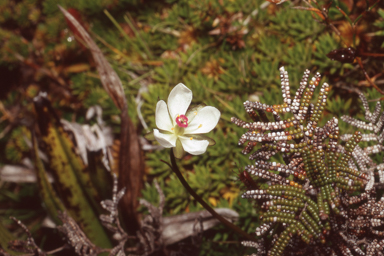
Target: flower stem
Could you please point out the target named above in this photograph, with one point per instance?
(205, 205)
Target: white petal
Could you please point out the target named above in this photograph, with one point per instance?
(179, 100)
(192, 111)
(205, 120)
(163, 121)
(194, 147)
(165, 140)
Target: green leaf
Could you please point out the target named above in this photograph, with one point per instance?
(72, 177)
(50, 199)
(100, 176)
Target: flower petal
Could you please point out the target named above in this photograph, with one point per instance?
(194, 147)
(193, 110)
(165, 140)
(211, 141)
(206, 119)
(179, 100)
(163, 120)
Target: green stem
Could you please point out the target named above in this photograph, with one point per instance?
(116, 24)
(205, 205)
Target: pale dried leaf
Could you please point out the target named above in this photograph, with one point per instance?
(95, 111)
(19, 174)
(91, 138)
(179, 227)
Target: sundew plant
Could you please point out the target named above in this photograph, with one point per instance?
(173, 127)
(307, 200)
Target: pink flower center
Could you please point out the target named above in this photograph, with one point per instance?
(182, 121)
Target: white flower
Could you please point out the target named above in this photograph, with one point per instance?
(181, 128)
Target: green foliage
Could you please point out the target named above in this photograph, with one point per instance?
(325, 44)
(74, 184)
(5, 236)
(337, 105)
(49, 197)
(380, 23)
(16, 147)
